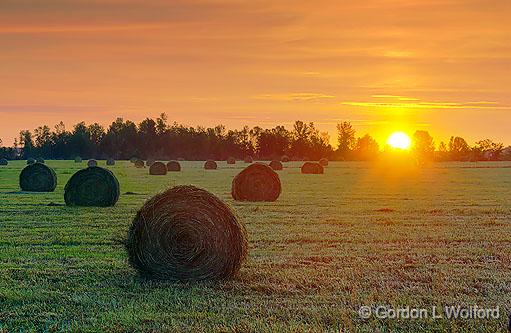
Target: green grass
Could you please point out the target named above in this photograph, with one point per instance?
(356, 235)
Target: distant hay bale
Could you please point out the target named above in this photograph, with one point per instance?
(186, 234)
(40, 160)
(158, 169)
(248, 159)
(110, 162)
(92, 163)
(210, 165)
(3, 162)
(257, 182)
(149, 162)
(30, 161)
(231, 160)
(173, 166)
(78, 159)
(276, 165)
(285, 158)
(324, 161)
(312, 168)
(139, 164)
(37, 177)
(92, 187)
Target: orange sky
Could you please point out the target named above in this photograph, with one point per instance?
(439, 65)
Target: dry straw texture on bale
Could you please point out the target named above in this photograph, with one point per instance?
(173, 166)
(257, 182)
(312, 168)
(149, 162)
(92, 187)
(3, 161)
(78, 159)
(30, 161)
(284, 158)
(231, 160)
(323, 161)
(92, 163)
(110, 162)
(210, 165)
(158, 169)
(248, 159)
(186, 234)
(38, 177)
(276, 165)
(139, 164)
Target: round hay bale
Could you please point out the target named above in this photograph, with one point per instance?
(40, 160)
(30, 161)
(92, 187)
(276, 165)
(78, 159)
(110, 162)
(92, 163)
(231, 160)
(149, 162)
(248, 159)
(257, 182)
(312, 168)
(210, 165)
(173, 166)
(324, 161)
(285, 158)
(158, 169)
(3, 161)
(38, 177)
(139, 164)
(186, 234)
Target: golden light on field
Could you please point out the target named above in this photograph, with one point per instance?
(399, 140)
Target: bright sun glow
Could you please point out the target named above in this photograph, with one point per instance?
(399, 140)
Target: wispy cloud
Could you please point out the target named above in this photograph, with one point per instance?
(294, 97)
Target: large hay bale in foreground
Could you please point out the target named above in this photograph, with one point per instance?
(231, 160)
(38, 177)
(248, 159)
(40, 160)
(78, 159)
(312, 168)
(276, 165)
(285, 158)
(324, 161)
(139, 164)
(186, 234)
(210, 165)
(30, 161)
(158, 169)
(173, 166)
(257, 182)
(92, 163)
(92, 187)
(110, 162)
(3, 161)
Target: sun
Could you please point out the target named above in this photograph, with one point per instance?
(399, 140)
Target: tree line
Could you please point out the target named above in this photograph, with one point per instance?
(157, 139)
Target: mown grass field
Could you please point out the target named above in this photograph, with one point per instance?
(357, 235)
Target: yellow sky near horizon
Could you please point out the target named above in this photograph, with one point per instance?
(439, 65)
